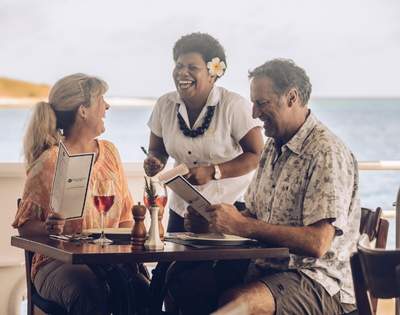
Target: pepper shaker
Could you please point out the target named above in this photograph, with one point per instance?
(138, 234)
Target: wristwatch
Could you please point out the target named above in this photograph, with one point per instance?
(217, 172)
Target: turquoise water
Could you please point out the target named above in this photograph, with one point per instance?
(370, 127)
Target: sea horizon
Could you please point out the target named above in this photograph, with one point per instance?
(137, 101)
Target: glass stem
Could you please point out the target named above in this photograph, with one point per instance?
(102, 224)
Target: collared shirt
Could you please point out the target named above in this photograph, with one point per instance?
(220, 143)
(315, 177)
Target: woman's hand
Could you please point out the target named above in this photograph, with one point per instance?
(55, 223)
(152, 166)
(194, 222)
(200, 175)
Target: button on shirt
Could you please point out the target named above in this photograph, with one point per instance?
(314, 177)
(220, 143)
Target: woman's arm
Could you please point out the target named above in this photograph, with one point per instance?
(32, 228)
(252, 145)
(54, 224)
(157, 148)
(126, 224)
(157, 157)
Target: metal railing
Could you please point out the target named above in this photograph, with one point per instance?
(382, 166)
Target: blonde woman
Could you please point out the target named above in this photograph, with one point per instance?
(75, 113)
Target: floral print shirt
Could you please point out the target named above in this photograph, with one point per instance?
(315, 177)
(36, 197)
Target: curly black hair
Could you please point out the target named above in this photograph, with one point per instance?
(204, 44)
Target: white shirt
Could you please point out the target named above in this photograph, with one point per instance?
(231, 121)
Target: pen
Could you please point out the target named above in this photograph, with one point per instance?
(144, 151)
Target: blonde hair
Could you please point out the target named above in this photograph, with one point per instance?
(51, 119)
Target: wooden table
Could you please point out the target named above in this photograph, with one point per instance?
(96, 255)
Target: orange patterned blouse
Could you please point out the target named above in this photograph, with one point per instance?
(36, 197)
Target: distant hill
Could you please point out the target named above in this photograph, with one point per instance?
(17, 88)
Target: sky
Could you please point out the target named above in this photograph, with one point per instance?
(348, 48)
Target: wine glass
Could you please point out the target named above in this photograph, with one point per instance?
(155, 193)
(103, 197)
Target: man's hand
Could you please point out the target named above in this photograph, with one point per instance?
(152, 166)
(225, 218)
(194, 222)
(55, 223)
(200, 175)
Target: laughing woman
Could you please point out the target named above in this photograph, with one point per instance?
(77, 108)
(206, 127)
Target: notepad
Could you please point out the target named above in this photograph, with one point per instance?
(165, 176)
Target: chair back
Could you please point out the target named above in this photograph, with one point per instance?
(380, 270)
(374, 226)
(375, 229)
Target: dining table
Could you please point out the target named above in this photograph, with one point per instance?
(122, 251)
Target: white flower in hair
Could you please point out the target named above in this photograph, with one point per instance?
(216, 67)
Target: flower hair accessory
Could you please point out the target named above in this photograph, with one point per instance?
(216, 67)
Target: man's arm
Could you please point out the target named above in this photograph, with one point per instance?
(312, 240)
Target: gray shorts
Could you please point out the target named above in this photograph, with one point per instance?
(295, 293)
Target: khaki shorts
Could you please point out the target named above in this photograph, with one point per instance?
(295, 293)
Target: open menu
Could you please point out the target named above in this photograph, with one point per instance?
(71, 181)
(190, 194)
(174, 180)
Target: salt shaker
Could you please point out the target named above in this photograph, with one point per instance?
(153, 240)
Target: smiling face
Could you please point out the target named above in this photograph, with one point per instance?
(191, 77)
(269, 107)
(96, 113)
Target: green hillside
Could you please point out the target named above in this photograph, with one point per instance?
(18, 88)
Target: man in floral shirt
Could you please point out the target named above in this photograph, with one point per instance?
(304, 196)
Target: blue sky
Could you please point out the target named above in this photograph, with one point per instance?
(349, 48)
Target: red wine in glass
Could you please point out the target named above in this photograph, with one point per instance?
(103, 203)
(160, 201)
(155, 193)
(103, 198)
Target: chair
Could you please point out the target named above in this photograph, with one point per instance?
(373, 228)
(376, 271)
(36, 304)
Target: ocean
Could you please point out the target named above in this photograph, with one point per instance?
(370, 128)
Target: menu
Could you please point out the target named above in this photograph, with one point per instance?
(190, 194)
(71, 181)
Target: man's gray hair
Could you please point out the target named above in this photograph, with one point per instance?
(285, 75)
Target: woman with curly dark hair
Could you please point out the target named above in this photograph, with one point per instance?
(204, 126)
